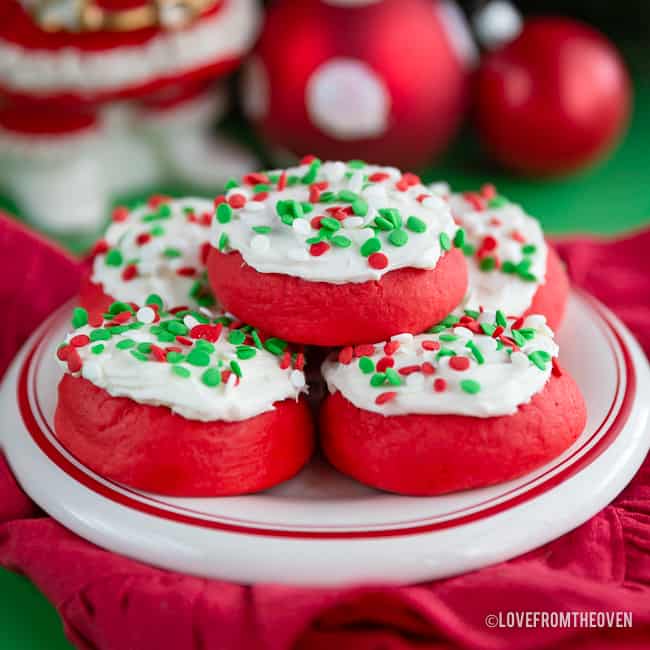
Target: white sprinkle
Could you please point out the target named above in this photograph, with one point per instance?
(463, 333)
(207, 312)
(334, 172)
(232, 381)
(298, 254)
(352, 222)
(190, 321)
(297, 379)
(367, 233)
(536, 321)
(441, 188)
(301, 226)
(415, 380)
(260, 243)
(356, 181)
(254, 206)
(434, 203)
(404, 338)
(486, 317)
(146, 315)
(519, 360)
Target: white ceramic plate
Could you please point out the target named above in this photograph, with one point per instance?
(321, 528)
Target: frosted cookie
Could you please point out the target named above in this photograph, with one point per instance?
(511, 266)
(475, 401)
(182, 404)
(334, 253)
(160, 247)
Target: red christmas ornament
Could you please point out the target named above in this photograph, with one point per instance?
(383, 81)
(552, 100)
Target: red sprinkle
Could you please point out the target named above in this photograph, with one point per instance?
(498, 331)
(62, 353)
(345, 355)
(207, 332)
(120, 213)
(377, 177)
(129, 272)
(175, 310)
(427, 368)
(364, 350)
(494, 221)
(122, 317)
(237, 201)
(383, 398)
(309, 158)
(517, 236)
(100, 247)
(184, 340)
(557, 370)
(173, 348)
(428, 344)
(300, 361)
(378, 261)
(407, 180)
(204, 252)
(385, 362)
(157, 200)
(219, 200)
(488, 191)
(459, 363)
(256, 178)
(518, 324)
(285, 362)
(439, 385)
(314, 194)
(74, 361)
(409, 370)
(475, 200)
(282, 181)
(95, 320)
(316, 250)
(261, 196)
(186, 271)
(391, 347)
(206, 219)
(143, 238)
(489, 243)
(315, 222)
(421, 197)
(158, 353)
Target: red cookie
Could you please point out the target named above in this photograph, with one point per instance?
(152, 449)
(436, 454)
(550, 299)
(319, 313)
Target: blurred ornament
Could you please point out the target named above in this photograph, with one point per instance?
(496, 22)
(552, 100)
(104, 96)
(386, 81)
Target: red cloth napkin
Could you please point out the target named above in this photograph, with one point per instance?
(109, 602)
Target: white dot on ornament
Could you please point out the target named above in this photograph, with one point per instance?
(146, 315)
(255, 89)
(347, 100)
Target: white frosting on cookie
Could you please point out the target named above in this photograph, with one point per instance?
(480, 378)
(167, 244)
(243, 378)
(518, 240)
(375, 220)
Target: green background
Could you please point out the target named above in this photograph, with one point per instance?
(607, 199)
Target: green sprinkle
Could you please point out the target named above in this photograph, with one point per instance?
(245, 352)
(468, 250)
(224, 213)
(392, 215)
(356, 164)
(459, 238)
(236, 368)
(134, 326)
(330, 223)
(393, 378)
(445, 352)
(257, 340)
(528, 333)
(236, 337)
(174, 357)
(311, 174)
(223, 241)
(165, 337)
(437, 329)
(415, 224)
(97, 349)
(261, 187)
(488, 328)
(139, 355)
(171, 253)
(154, 299)
(327, 197)
(449, 321)
(348, 196)
(198, 357)
(478, 355)
(448, 338)
(539, 358)
(114, 258)
(398, 237)
(177, 328)
(206, 346)
(306, 207)
(487, 264)
(509, 267)
(366, 365)
(470, 386)
(528, 249)
(211, 377)
(497, 202)
(518, 338)
(117, 329)
(79, 317)
(262, 230)
(370, 246)
(144, 347)
(472, 313)
(100, 335)
(526, 276)
(206, 300)
(341, 241)
(125, 344)
(231, 184)
(164, 211)
(157, 231)
(360, 207)
(445, 242)
(275, 346)
(501, 319)
(118, 307)
(181, 371)
(383, 224)
(378, 379)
